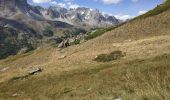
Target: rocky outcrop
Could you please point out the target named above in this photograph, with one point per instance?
(64, 44)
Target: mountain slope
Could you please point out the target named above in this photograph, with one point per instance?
(72, 73)
(159, 9)
(22, 27)
(34, 23)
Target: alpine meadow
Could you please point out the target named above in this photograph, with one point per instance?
(49, 51)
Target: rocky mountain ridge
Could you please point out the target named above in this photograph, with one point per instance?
(80, 16)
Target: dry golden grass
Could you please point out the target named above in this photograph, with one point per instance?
(137, 79)
(71, 73)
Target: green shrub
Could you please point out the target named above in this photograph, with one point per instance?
(75, 42)
(99, 32)
(8, 49)
(48, 33)
(95, 34)
(78, 31)
(115, 55)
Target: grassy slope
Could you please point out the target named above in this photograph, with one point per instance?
(159, 9)
(142, 74)
(140, 79)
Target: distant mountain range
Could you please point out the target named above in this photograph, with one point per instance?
(80, 16)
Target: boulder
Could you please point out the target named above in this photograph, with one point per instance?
(61, 45)
(64, 44)
(33, 71)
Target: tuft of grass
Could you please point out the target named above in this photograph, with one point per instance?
(55, 45)
(115, 55)
(99, 32)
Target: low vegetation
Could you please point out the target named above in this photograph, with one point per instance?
(10, 44)
(115, 55)
(76, 42)
(16, 57)
(99, 32)
(48, 33)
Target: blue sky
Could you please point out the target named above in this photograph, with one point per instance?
(122, 9)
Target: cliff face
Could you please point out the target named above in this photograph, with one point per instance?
(7, 4)
(10, 7)
(12, 4)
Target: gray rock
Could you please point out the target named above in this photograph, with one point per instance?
(4, 69)
(23, 50)
(61, 45)
(33, 71)
(15, 94)
(64, 44)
